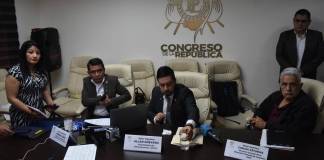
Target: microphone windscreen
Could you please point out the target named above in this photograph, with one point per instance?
(204, 129)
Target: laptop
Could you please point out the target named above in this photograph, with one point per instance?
(129, 118)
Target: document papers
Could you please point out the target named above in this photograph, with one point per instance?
(81, 152)
(198, 140)
(264, 143)
(38, 111)
(99, 121)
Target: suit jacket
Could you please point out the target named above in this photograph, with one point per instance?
(111, 88)
(298, 116)
(183, 106)
(286, 52)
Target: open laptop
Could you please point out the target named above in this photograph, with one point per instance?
(129, 118)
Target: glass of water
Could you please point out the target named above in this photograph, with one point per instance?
(184, 142)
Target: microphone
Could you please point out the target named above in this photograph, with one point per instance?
(206, 130)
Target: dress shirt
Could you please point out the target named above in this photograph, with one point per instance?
(100, 110)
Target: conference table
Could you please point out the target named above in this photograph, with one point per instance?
(306, 147)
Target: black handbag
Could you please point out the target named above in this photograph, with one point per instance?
(140, 96)
(225, 95)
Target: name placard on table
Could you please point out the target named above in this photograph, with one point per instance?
(245, 151)
(143, 143)
(60, 136)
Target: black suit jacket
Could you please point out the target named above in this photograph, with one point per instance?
(286, 52)
(111, 88)
(183, 106)
(299, 116)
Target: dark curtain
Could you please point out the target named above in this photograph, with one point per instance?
(9, 44)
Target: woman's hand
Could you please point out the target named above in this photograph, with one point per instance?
(33, 114)
(51, 107)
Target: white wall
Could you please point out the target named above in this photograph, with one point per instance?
(116, 30)
(27, 13)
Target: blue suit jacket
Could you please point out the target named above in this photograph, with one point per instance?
(183, 106)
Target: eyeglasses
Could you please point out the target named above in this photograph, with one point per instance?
(291, 85)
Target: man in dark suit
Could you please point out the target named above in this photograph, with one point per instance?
(99, 91)
(301, 47)
(173, 104)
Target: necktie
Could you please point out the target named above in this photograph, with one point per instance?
(168, 111)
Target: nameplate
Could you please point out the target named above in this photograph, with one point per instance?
(142, 143)
(245, 151)
(60, 136)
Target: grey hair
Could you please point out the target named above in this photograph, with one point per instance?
(291, 71)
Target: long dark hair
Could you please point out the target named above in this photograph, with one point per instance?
(23, 61)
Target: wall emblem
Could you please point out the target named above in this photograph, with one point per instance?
(194, 15)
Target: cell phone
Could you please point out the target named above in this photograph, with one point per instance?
(103, 98)
(54, 106)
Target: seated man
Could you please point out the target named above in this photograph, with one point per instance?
(173, 104)
(99, 91)
(289, 109)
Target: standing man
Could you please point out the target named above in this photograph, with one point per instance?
(173, 104)
(300, 47)
(99, 90)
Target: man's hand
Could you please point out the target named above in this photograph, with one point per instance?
(105, 101)
(258, 122)
(188, 130)
(5, 130)
(159, 117)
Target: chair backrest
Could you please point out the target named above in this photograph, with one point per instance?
(198, 84)
(315, 89)
(125, 77)
(182, 64)
(320, 72)
(225, 70)
(78, 70)
(143, 72)
(3, 97)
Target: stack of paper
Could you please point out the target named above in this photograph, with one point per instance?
(82, 152)
(198, 140)
(264, 143)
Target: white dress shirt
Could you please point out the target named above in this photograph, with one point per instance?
(300, 43)
(100, 110)
(164, 110)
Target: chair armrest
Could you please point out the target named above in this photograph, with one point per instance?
(248, 101)
(59, 90)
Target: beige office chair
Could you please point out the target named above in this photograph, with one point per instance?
(144, 77)
(315, 89)
(226, 70)
(125, 77)
(70, 102)
(198, 84)
(3, 96)
(183, 64)
(4, 105)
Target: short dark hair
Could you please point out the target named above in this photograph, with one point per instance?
(23, 61)
(95, 61)
(304, 12)
(164, 71)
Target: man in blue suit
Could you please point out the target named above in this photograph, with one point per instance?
(173, 104)
(301, 47)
